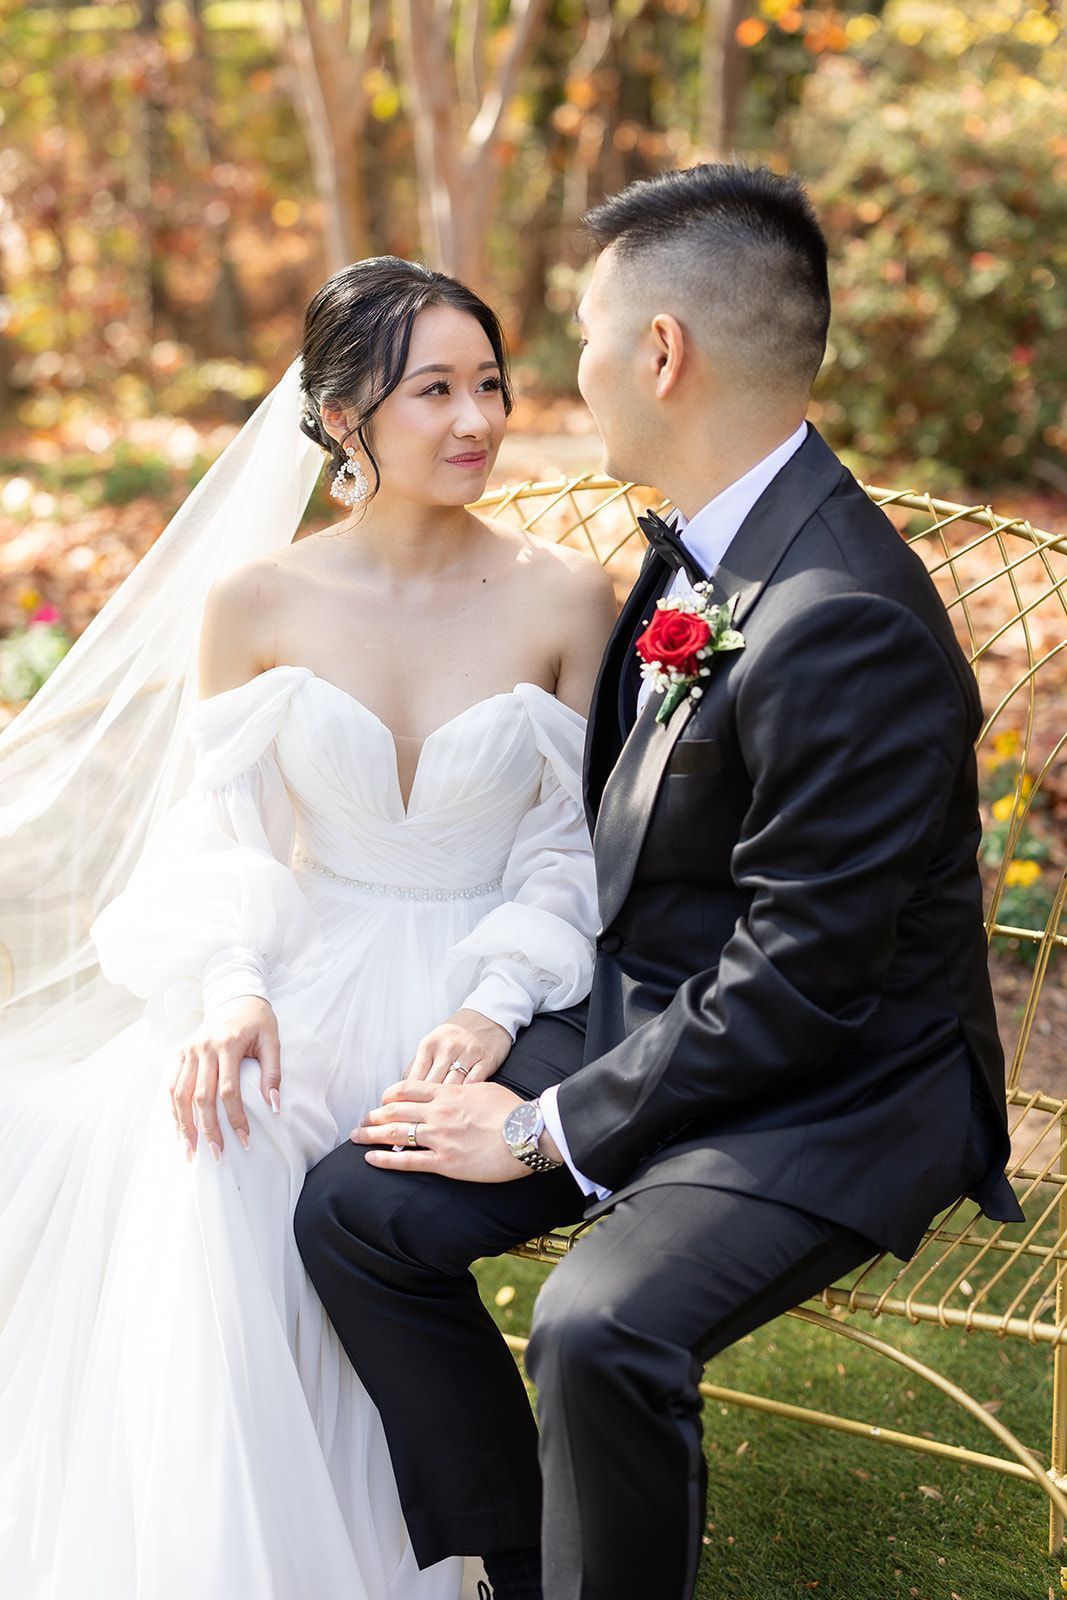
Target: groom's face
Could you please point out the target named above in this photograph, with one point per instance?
(613, 364)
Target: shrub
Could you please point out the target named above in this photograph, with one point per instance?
(937, 156)
(30, 655)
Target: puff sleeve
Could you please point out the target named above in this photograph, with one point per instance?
(534, 952)
(212, 910)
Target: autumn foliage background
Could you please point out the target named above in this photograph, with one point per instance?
(177, 176)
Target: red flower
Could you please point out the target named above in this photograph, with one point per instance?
(45, 614)
(672, 639)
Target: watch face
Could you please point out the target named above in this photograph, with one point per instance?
(522, 1123)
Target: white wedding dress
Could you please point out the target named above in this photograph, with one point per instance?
(177, 1418)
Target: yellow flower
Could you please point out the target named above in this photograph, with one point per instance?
(29, 599)
(1021, 874)
(1005, 745)
(1003, 808)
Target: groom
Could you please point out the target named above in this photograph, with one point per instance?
(789, 1058)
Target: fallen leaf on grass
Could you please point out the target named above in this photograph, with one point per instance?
(930, 1492)
(505, 1296)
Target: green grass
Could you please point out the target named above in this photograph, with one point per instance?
(798, 1511)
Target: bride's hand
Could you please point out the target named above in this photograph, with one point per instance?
(468, 1048)
(210, 1065)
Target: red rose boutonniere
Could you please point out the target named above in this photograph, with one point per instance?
(679, 642)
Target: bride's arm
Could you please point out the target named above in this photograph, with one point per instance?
(212, 919)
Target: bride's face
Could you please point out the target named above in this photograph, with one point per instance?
(436, 437)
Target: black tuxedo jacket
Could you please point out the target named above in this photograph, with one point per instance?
(791, 996)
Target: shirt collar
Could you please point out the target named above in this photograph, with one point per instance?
(708, 534)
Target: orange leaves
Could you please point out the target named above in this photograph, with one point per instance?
(750, 32)
(823, 31)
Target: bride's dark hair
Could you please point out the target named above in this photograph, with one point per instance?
(357, 333)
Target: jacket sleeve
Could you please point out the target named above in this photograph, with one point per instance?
(853, 726)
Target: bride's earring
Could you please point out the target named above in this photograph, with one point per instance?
(350, 484)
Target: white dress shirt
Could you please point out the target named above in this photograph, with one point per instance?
(707, 537)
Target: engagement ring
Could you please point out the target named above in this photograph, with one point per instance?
(457, 1066)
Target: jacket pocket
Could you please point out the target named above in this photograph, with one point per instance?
(692, 756)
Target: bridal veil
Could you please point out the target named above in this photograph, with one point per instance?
(101, 752)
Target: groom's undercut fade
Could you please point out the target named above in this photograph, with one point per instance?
(741, 250)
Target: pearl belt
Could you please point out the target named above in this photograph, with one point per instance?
(395, 891)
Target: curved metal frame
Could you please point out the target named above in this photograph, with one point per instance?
(1024, 1467)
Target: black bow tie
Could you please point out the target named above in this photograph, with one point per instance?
(667, 542)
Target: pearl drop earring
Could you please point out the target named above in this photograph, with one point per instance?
(350, 484)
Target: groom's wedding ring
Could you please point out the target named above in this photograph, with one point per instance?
(457, 1066)
(413, 1136)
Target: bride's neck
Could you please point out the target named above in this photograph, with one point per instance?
(405, 538)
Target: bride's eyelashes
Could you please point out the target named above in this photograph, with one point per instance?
(491, 383)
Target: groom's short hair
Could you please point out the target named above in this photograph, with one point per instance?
(743, 248)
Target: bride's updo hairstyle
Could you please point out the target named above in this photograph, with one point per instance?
(357, 334)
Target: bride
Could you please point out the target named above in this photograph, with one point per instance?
(290, 818)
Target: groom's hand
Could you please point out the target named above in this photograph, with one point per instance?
(459, 1132)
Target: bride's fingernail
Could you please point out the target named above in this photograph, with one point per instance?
(216, 1152)
(243, 1138)
(190, 1151)
(275, 1102)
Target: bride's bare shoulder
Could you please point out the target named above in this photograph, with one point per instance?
(240, 622)
(564, 575)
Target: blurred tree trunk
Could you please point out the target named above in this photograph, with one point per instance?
(604, 30)
(459, 79)
(331, 54)
(148, 160)
(226, 318)
(722, 76)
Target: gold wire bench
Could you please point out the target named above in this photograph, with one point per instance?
(1005, 586)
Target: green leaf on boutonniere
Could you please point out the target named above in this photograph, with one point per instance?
(673, 699)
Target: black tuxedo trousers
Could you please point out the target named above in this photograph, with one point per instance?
(674, 1274)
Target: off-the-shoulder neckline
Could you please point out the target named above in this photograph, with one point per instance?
(309, 672)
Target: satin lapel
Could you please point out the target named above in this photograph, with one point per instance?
(789, 500)
(629, 792)
(604, 737)
(626, 805)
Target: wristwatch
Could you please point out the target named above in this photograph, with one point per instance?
(523, 1126)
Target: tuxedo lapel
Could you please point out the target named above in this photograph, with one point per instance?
(605, 736)
(788, 501)
(628, 790)
(627, 801)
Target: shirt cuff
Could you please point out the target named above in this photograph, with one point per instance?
(233, 974)
(504, 994)
(554, 1127)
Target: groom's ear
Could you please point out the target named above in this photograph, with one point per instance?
(669, 351)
